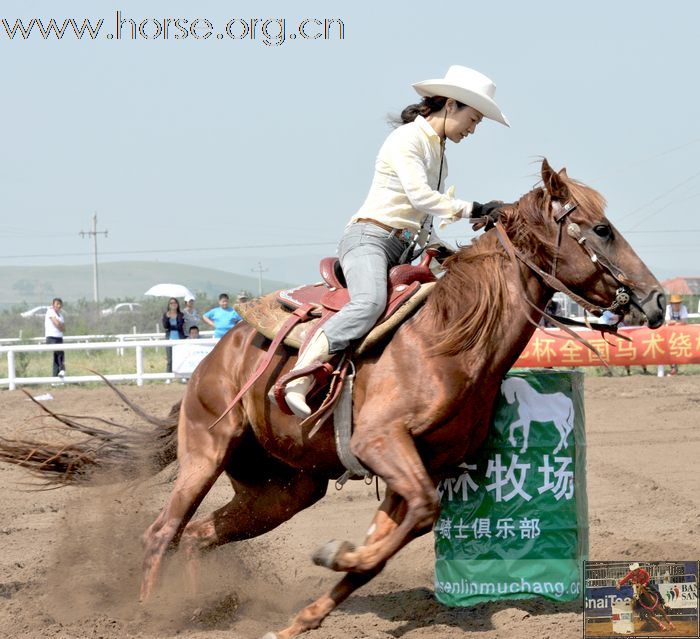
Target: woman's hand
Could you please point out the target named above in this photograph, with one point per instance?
(486, 214)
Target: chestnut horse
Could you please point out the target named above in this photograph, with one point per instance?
(650, 608)
(422, 402)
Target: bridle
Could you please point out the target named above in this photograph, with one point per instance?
(622, 294)
(573, 230)
(645, 590)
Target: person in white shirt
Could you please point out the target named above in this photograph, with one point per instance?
(676, 313)
(54, 325)
(405, 198)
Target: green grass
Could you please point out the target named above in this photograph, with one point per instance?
(107, 362)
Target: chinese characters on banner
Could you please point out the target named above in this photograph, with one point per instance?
(513, 518)
(677, 344)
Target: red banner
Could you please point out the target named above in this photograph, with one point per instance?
(677, 344)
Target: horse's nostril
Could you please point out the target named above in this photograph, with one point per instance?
(661, 301)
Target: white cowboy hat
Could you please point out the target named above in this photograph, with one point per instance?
(634, 566)
(468, 87)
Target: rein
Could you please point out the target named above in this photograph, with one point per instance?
(653, 606)
(622, 295)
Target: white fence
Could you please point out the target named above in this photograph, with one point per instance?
(186, 352)
(69, 339)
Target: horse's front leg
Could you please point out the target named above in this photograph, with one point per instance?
(524, 425)
(386, 519)
(659, 625)
(665, 616)
(391, 454)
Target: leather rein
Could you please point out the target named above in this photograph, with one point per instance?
(622, 295)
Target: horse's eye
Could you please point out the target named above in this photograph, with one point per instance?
(602, 230)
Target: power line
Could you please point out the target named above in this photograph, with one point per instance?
(177, 250)
(658, 197)
(241, 247)
(647, 159)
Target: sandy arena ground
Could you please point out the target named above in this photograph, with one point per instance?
(70, 558)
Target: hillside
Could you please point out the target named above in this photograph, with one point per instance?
(33, 285)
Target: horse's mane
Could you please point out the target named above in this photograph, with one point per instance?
(478, 268)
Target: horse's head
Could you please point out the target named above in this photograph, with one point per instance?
(563, 227)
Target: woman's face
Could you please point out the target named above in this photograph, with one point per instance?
(460, 123)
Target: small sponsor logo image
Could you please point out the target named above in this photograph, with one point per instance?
(641, 599)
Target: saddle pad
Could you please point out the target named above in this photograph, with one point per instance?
(266, 315)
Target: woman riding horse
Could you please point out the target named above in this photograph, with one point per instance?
(405, 196)
(422, 403)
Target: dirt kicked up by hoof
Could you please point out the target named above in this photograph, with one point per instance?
(270, 635)
(327, 554)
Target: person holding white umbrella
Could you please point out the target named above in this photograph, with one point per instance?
(173, 322)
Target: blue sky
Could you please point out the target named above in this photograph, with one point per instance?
(189, 148)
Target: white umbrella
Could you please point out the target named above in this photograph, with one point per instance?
(169, 290)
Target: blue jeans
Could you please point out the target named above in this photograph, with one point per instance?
(366, 253)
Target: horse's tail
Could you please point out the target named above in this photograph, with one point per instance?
(108, 455)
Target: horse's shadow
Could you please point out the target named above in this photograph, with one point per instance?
(417, 608)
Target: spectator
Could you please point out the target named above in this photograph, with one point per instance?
(676, 313)
(611, 319)
(552, 308)
(242, 297)
(221, 318)
(192, 317)
(193, 333)
(54, 325)
(174, 324)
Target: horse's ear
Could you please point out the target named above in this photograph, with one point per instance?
(563, 173)
(554, 182)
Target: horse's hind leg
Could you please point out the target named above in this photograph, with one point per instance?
(257, 508)
(202, 456)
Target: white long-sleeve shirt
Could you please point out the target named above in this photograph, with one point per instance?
(404, 187)
(50, 329)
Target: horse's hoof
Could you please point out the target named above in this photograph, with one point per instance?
(269, 635)
(326, 555)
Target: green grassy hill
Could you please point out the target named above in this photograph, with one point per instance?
(34, 285)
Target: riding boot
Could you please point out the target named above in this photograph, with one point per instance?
(295, 391)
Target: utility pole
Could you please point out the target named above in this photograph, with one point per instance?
(94, 233)
(260, 270)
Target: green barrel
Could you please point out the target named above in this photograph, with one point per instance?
(514, 522)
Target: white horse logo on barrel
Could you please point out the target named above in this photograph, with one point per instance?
(556, 408)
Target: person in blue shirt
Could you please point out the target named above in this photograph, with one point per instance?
(222, 318)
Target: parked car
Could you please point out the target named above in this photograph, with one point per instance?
(37, 311)
(122, 307)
